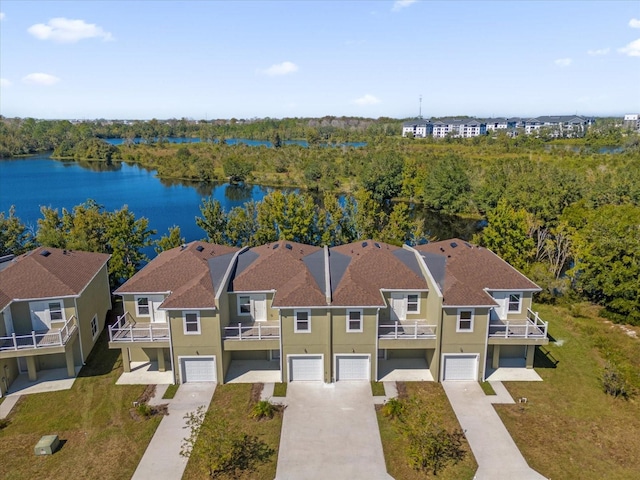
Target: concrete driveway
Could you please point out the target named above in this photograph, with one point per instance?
(162, 458)
(330, 431)
(497, 455)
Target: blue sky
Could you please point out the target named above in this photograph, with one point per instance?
(244, 59)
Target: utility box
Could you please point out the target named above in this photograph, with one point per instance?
(47, 445)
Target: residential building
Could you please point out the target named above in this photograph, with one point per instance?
(458, 128)
(53, 306)
(632, 121)
(362, 311)
(418, 128)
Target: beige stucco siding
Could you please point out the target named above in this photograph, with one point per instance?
(95, 300)
(232, 307)
(421, 314)
(318, 341)
(465, 342)
(364, 342)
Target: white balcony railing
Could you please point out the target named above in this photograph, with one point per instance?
(531, 327)
(406, 330)
(56, 337)
(255, 331)
(125, 329)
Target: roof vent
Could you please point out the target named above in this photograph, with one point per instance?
(441, 249)
(183, 246)
(288, 246)
(453, 244)
(45, 253)
(468, 244)
(377, 244)
(276, 245)
(200, 248)
(364, 244)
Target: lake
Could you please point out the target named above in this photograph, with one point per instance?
(32, 182)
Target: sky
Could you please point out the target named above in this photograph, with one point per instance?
(254, 59)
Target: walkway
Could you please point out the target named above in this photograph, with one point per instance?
(497, 455)
(330, 431)
(162, 458)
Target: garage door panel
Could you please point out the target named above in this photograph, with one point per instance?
(352, 367)
(201, 369)
(460, 367)
(306, 368)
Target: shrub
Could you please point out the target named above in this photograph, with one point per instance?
(4, 423)
(393, 408)
(263, 409)
(144, 410)
(614, 383)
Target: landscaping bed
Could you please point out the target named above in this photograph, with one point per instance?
(569, 427)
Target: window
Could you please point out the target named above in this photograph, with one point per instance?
(94, 326)
(354, 320)
(142, 306)
(412, 303)
(244, 305)
(55, 311)
(514, 302)
(302, 321)
(465, 321)
(191, 323)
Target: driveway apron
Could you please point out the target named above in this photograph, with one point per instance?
(497, 455)
(162, 458)
(330, 432)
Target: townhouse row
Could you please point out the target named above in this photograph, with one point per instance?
(289, 312)
(557, 126)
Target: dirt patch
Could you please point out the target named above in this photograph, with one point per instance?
(256, 392)
(402, 391)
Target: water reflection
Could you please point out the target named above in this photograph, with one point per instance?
(238, 193)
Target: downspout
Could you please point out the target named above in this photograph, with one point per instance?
(281, 350)
(173, 370)
(75, 303)
(486, 347)
(377, 359)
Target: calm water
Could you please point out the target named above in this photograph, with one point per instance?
(29, 183)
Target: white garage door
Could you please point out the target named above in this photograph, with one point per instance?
(352, 367)
(305, 368)
(460, 367)
(198, 369)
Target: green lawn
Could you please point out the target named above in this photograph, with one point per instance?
(99, 437)
(233, 402)
(570, 428)
(432, 396)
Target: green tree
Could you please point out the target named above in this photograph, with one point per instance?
(447, 187)
(171, 240)
(401, 228)
(213, 220)
(507, 234)
(15, 237)
(367, 215)
(382, 176)
(287, 216)
(242, 225)
(237, 169)
(337, 225)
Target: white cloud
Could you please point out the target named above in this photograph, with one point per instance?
(2, 15)
(599, 51)
(4, 82)
(65, 30)
(367, 99)
(634, 23)
(40, 79)
(563, 62)
(400, 4)
(283, 68)
(632, 49)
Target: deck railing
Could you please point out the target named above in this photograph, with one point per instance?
(532, 327)
(255, 331)
(125, 329)
(56, 337)
(406, 330)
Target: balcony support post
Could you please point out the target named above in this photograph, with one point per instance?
(531, 350)
(126, 360)
(495, 361)
(71, 368)
(31, 369)
(161, 366)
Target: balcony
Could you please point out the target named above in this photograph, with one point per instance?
(252, 331)
(126, 330)
(406, 330)
(530, 328)
(39, 341)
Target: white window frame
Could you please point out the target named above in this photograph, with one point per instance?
(295, 321)
(148, 306)
(241, 304)
(60, 311)
(509, 303)
(185, 323)
(348, 320)
(416, 303)
(459, 329)
(94, 326)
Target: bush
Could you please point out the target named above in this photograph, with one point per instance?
(393, 408)
(614, 382)
(4, 423)
(263, 409)
(144, 410)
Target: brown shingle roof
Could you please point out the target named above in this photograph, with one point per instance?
(371, 269)
(184, 271)
(282, 269)
(61, 273)
(470, 269)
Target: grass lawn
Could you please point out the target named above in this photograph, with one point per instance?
(280, 389)
(92, 420)
(377, 389)
(570, 428)
(171, 392)
(433, 397)
(487, 388)
(233, 402)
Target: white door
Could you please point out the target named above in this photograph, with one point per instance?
(502, 299)
(460, 367)
(398, 306)
(39, 316)
(259, 307)
(352, 367)
(198, 369)
(157, 316)
(305, 368)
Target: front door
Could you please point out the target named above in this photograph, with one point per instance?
(259, 307)
(39, 316)
(502, 299)
(157, 316)
(398, 306)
